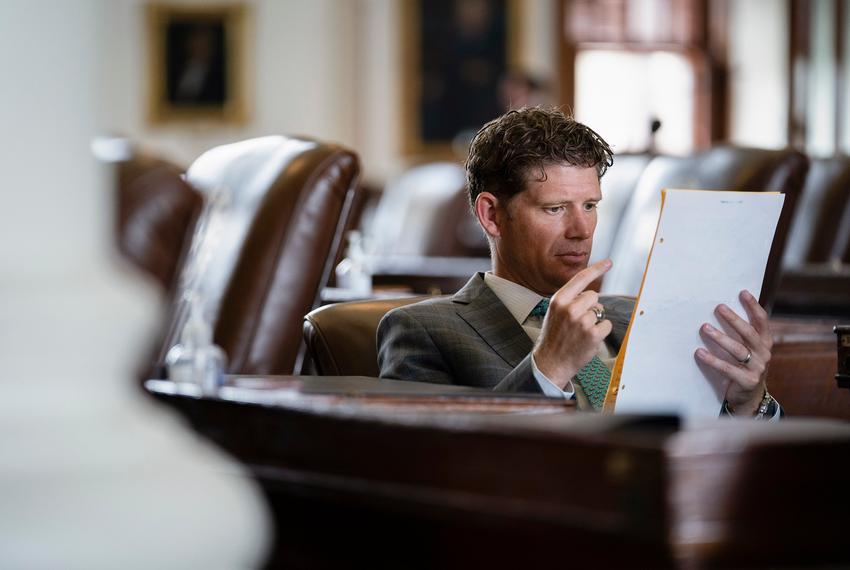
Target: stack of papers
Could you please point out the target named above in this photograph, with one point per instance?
(708, 247)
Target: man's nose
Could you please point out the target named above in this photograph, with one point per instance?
(579, 226)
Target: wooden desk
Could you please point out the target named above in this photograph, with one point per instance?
(801, 374)
(361, 472)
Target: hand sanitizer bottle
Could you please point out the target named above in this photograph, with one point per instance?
(353, 272)
(195, 359)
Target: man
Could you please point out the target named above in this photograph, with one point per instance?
(531, 324)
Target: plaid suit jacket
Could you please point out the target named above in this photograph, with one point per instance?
(470, 339)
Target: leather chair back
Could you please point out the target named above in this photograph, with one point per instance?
(618, 185)
(719, 168)
(341, 338)
(156, 216)
(821, 229)
(425, 212)
(265, 245)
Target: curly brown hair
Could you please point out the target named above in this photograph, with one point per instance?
(508, 149)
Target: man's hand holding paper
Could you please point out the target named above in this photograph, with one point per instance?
(696, 343)
(741, 355)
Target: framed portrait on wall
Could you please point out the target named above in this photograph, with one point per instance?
(456, 53)
(196, 63)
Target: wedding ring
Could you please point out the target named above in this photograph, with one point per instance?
(600, 314)
(746, 358)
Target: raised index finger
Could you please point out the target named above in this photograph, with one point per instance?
(584, 278)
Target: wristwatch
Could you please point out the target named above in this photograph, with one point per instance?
(766, 409)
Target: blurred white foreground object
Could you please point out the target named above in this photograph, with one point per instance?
(92, 473)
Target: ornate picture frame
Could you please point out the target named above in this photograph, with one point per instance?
(196, 63)
(454, 54)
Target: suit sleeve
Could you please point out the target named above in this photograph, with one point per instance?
(406, 351)
(520, 379)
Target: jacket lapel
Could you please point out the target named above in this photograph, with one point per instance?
(484, 312)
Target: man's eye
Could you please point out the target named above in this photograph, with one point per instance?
(553, 209)
(591, 206)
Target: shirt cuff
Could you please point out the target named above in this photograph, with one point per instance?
(548, 387)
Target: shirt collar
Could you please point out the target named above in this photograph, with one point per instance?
(517, 299)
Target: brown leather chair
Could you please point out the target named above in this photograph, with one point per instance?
(341, 337)
(618, 186)
(265, 246)
(423, 234)
(719, 168)
(821, 229)
(156, 215)
(425, 212)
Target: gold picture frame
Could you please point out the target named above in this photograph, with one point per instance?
(426, 124)
(197, 63)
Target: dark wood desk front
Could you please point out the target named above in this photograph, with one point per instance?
(801, 373)
(363, 472)
(367, 472)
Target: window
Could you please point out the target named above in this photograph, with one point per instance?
(621, 93)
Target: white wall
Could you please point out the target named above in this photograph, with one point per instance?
(325, 68)
(303, 64)
(820, 92)
(758, 54)
(539, 38)
(378, 114)
(332, 69)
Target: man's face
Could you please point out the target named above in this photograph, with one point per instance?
(546, 231)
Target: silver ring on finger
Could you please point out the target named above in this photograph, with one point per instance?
(746, 359)
(599, 312)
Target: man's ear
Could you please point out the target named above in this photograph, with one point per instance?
(488, 211)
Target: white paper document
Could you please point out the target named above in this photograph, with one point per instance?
(709, 245)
